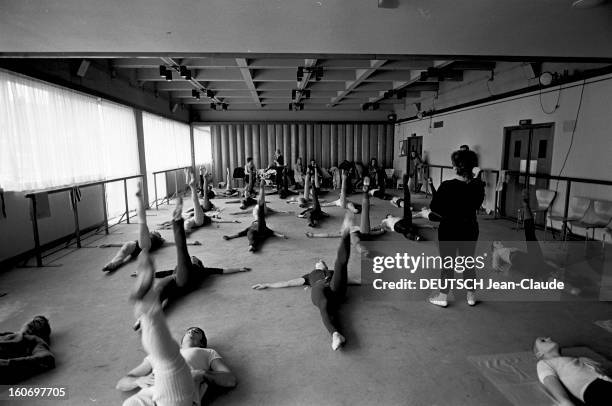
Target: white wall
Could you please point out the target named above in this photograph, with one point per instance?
(16, 229)
(482, 128)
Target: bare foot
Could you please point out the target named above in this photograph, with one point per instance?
(190, 178)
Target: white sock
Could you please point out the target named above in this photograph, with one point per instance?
(337, 340)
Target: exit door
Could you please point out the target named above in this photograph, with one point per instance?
(528, 150)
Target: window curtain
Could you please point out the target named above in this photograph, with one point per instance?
(55, 137)
(167, 146)
(202, 146)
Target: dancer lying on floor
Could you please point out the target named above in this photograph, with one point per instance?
(189, 271)
(380, 190)
(269, 212)
(246, 201)
(342, 201)
(284, 191)
(170, 375)
(131, 249)
(404, 225)
(210, 192)
(198, 218)
(582, 377)
(532, 264)
(26, 353)
(258, 231)
(361, 232)
(328, 288)
(205, 177)
(304, 200)
(206, 367)
(314, 214)
(399, 201)
(229, 191)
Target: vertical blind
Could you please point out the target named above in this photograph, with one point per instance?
(327, 143)
(54, 137)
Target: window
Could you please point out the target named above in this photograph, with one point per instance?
(167, 146)
(543, 144)
(202, 146)
(517, 148)
(55, 137)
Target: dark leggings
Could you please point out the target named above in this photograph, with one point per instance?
(258, 232)
(598, 393)
(405, 226)
(532, 261)
(186, 274)
(328, 298)
(455, 244)
(315, 213)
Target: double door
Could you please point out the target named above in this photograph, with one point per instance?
(528, 150)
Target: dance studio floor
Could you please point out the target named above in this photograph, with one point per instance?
(397, 353)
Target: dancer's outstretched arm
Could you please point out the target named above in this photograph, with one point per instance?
(322, 235)
(277, 285)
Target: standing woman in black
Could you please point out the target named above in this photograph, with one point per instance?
(455, 205)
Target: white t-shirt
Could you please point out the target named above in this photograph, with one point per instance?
(574, 373)
(199, 358)
(388, 224)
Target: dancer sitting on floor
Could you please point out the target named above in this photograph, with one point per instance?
(342, 201)
(582, 377)
(172, 380)
(314, 214)
(258, 231)
(328, 288)
(26, 353)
